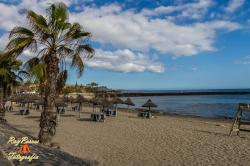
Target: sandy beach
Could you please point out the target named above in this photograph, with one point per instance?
(128, 140)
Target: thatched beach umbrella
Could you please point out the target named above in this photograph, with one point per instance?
(27, 101)
(34, 97)
(116, 101)
(39, 102)
(68, 99)
(80, 99)
(94, 103)
(149, 104)
(16, 98)
(105, 102)
(60, 103)
(129, 102)
(71, 99)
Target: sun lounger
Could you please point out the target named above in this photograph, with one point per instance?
(76, 108)
(24, 112)
(97, 117)
(21, 112)
(145, 115)
(114, 113)
(60, 110)
(27, 112)
(110, 112)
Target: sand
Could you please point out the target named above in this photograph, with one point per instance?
(128, 140)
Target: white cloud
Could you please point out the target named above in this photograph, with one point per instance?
(128, 29)
(244, 61)
(133, 33)
(3, 40)
(194, 10)
(124, 61)
(194, 68)
(233, 5)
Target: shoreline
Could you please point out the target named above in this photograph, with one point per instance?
(139, 94)
(159, 113)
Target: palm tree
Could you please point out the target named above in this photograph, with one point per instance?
(54, 41)
(10, 73)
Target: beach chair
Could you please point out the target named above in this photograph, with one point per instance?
(149, 115)
(108, 112)
(60, 110)
(21, 112)
(102, 119)
(97, 117)
(114, 113)
(27, 112)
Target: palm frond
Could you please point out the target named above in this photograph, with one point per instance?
(57, 13)
(77, 63)
(63, 50)
(86, 49)
(20, 32)
(31, 63)
(38, 71)
(38, 22)
(17, 45)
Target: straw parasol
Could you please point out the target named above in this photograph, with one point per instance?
(116, 101)
(71, 99)
(94, 102)
(68, 99)
(39, 102)
(129, 102)
(26, 100)
(80, 99)
(149, 104)
(60, 103)
(105, 102)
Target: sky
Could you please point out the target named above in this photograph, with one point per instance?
(154, 44)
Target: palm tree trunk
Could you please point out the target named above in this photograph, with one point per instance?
(4, 91)
(48, 116)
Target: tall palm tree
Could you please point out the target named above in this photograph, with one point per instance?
(54, 40)
(10, 73)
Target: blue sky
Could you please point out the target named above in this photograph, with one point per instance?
(150, 44)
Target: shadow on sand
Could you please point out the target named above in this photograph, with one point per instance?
(33, 117)
(69, 115)
(85, 119)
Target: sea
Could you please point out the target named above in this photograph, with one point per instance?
(207, 106)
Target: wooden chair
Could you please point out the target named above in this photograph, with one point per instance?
(238, 121)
